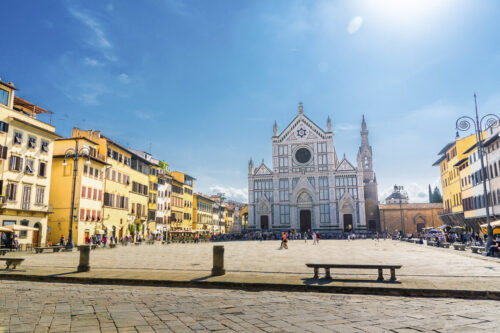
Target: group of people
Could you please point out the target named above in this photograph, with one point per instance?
(9, 241)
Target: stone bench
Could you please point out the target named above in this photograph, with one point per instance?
(112, 245)
(445, 245)
(3, 251)
(12, 261)
(327, 268)
(477, 249)
(53, 248)
(459, 247)
(431, 243)
(138, 243)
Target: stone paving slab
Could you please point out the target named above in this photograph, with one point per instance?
(263, 264)
(52, 307)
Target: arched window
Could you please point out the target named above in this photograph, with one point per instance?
(366, 163)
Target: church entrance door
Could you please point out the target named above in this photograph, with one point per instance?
(264, 222)
(347, 222)
(305, 220)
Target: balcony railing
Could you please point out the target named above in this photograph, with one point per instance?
(25, 205)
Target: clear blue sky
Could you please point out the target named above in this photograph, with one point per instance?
(200, 83)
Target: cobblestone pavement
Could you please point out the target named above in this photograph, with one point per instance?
(43, 307)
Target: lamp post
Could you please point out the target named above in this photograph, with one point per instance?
(400, 191)
(75, 155)
(463, 124)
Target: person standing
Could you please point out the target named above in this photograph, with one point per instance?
(305, 237)
(61, 241)
(314, 238)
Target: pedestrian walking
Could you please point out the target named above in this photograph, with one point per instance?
(315, 241)
(305, 237)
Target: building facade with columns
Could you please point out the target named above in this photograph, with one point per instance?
(308, 187)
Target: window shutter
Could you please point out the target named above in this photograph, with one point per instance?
(84, 191)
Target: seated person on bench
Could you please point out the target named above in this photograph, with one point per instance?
(494, 247)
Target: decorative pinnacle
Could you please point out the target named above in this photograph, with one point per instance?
(301, 108)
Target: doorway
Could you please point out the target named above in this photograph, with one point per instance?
(372, 225)
(36, 236)
(347, 222)
(305, 220)
(264, 222)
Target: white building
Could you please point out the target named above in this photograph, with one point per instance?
(308, 188)
(475, 205)
(163, 201)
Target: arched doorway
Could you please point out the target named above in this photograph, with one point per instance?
(347, 222)
(419, 221)
(305, 220)
(264, 222)
(347, 211)
(304, 204)
(37, 235)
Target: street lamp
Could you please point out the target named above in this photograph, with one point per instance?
(400, 191)
(463, 124)
(75, 155)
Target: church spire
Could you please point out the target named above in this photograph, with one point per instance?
(364, 134)
(275, 128)
(328, 124)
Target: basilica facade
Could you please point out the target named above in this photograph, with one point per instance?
(308, 187)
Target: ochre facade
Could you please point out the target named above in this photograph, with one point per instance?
(415, 216)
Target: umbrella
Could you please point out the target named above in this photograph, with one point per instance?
(434, 231)
(457, 229)
(17, 227)
(4, 229)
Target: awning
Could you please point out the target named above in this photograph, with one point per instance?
(3, 229)
(99, 231)
(495, 225)
(17, 227)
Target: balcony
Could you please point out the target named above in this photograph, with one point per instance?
(25, 205)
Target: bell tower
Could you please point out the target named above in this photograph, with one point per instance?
(365, 162)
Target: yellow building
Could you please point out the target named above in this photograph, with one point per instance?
(26, 145)
(203, 213)
(177, 205)
(154, 169)
(451, 155)
(88, 210)
(139, 194)
(466, 182)
(228, 217)
(244, 217)
(187, 196)
(117, 182)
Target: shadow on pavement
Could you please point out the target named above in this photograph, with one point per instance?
(323, 281)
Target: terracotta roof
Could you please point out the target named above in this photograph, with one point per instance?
(30, 106)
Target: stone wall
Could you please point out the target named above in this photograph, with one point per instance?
(415, 216)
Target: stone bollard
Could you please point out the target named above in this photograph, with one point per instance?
(218, 267)
(84, 265)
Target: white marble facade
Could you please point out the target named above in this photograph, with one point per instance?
(307, 188)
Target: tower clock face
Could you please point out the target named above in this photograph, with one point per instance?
(303, 155)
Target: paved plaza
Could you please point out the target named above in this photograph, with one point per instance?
(423, 266)
(42, 307)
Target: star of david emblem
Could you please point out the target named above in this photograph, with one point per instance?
(301, 132)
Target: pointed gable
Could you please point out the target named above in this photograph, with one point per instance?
(263, 170)
(345, 165)
(301, 127)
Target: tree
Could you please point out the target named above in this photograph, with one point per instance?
(436, 196)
